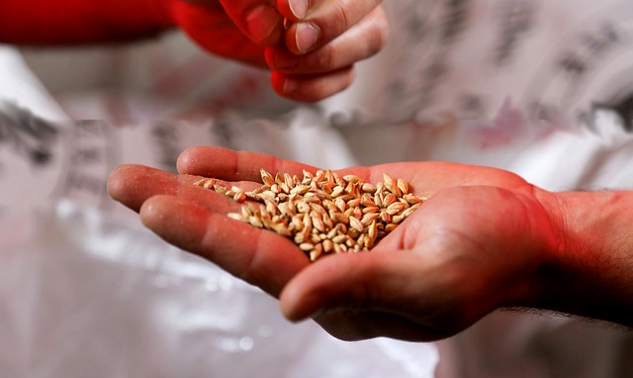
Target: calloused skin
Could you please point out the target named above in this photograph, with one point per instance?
(305, 67)
(480, 243)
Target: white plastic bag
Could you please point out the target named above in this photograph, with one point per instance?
(87, 295)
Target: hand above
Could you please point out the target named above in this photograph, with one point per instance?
(311, 46)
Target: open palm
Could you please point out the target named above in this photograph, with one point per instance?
(476, 245)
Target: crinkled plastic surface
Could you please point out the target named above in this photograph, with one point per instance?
(85, 294)
(538, 87)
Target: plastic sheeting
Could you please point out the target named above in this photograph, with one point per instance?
(86, 291)
(87, 295)
(538, 87)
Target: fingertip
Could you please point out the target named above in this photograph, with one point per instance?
(115, 181)
(174, 219)
(285, 10)
(264, 25)
(302, 37)
(278, 82)
(194, 160)
(318, 288)
(312, 88)
(127, 184)
(269, 57)
(296, 305)
(293, 10)
(186, 160)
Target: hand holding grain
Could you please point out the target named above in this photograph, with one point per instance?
(476, 245)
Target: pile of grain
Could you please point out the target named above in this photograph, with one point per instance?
(324, 213)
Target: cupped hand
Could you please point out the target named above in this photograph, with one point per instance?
(311, 46)
(478, 244)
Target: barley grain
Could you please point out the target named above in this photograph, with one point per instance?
(356, 224)
(324, 213)
(403, 186)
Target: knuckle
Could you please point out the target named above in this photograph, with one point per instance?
(342, 16)
(383, 32)
(324, 60)
(378, 30)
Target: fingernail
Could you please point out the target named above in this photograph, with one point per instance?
(299, 7)
(290, 86)
(307, 36)
(262, 21)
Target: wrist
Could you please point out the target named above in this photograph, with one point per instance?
(588, 273)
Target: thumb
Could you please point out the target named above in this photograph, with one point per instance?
(377, 281)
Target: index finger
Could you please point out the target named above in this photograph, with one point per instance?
(232, 165)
